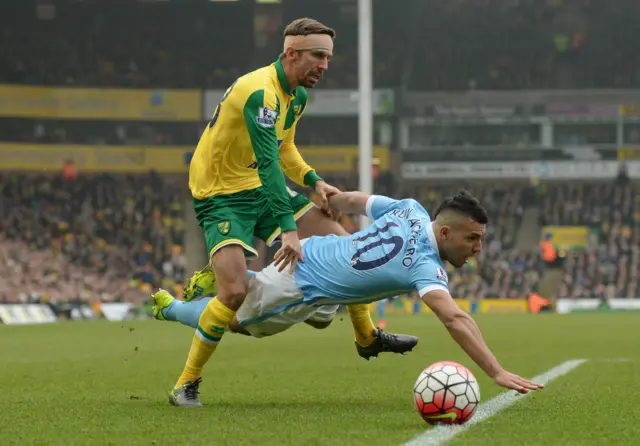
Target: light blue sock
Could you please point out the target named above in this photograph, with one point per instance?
(188, 313)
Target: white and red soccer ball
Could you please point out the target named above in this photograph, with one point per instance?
(446, 393)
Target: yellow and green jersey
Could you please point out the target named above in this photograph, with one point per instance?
(249, 143)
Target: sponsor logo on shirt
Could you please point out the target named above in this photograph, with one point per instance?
(441, 275)
(266, 117)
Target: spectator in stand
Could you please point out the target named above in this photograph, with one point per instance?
(548, 253)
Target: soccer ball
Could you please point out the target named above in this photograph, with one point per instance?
(446, 392)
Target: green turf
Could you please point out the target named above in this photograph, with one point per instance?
(107, 383)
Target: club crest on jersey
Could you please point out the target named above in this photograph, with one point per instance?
(441, 275)
(266, 117)
(224, 227)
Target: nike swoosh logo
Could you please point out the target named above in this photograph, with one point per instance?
(451, 415)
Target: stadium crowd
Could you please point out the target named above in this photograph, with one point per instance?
(95, 236)
(524, 44)
(89, 44)
(609, 265)
(119, 236)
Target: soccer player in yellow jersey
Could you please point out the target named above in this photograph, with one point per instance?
(237, 181)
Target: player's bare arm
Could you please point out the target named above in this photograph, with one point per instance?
(467, 334)
(349, 202)
(325, 192)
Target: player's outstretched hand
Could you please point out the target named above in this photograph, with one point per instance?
(289, 253)
(325, 191)
(515, 382)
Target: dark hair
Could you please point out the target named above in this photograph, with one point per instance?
(464, 203)
(306, 27)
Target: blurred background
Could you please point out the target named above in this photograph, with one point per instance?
(531, 105)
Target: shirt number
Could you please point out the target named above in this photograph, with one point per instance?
(216, 113)
(395, 241)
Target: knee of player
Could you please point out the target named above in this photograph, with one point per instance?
(233, 294)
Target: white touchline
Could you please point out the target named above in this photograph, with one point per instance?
(440, 434)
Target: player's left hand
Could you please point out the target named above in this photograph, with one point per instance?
(515, 382)
(325, 191)
(289, 253)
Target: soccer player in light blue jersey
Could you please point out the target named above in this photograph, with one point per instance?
(402, 250)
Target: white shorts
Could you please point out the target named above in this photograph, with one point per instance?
(274, 303)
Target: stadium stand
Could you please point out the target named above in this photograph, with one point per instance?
(608, 267)
(98, 236)
(564, 44)
(174, 45)
(135, 223)
(318, 131)
(526, 44)
(83, 47)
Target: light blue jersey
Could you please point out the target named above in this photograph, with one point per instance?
(394, 255)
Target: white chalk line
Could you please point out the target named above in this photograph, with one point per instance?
(441, 434)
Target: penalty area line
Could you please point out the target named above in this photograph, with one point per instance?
(441, 434)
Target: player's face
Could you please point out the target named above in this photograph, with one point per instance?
(310, 66)
(462, 241)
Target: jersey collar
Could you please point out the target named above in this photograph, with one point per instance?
(284, 83)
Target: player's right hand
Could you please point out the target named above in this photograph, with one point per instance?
(289, 253)
(515, 382)
(325, 191)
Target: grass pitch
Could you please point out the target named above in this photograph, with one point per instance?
(107, 383)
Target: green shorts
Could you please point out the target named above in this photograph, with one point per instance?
(235, 219)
